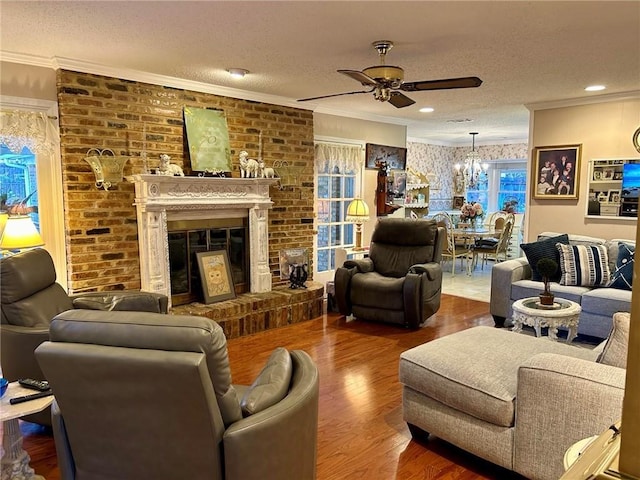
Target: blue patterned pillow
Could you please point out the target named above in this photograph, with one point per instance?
(536, 251)
(584, 265)
(622, 277)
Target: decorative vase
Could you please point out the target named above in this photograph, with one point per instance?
(472, 222)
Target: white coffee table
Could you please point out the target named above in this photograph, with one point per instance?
(563, 313)
(15, 461)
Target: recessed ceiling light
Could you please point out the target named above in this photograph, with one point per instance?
(426, 109)
(595, 88)
(237, 72)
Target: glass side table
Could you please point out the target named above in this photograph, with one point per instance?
(563, 313)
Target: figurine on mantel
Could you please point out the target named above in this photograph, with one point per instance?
(266, 172)
(248, 166)
(169, 169)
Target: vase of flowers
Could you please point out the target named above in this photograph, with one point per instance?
(546, 267)
(471, 212)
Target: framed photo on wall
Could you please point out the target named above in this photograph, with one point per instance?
(556, 172)
(395, 157)
(215, 274)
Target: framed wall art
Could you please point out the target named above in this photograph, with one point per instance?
(556, 171)
(395, 157)
(208, 139)
(215, 274)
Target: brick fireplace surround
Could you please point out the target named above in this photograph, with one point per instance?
(130, 117)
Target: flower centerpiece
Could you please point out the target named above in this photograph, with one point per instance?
(470, 212)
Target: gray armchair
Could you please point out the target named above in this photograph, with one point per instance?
(30, 298)
(158, 390)
(401, 280)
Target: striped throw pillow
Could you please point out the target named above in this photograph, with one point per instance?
(584, 265)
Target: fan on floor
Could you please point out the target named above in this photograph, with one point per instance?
(385, 81)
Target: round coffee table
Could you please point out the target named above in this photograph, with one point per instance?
(563, 313)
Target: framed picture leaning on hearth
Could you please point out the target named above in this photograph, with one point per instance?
(556, 172)
(215, 274)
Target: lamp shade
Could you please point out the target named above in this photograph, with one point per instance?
(357, 211)
(20, 232)
(4, 216)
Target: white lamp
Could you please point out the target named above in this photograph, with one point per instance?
(358, 213)
(20, 233)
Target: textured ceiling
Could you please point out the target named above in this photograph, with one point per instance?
(525, 52)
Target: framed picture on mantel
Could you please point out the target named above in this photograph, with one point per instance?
(208, 139)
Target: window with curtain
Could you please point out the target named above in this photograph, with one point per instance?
(31, 172)
(338, 175)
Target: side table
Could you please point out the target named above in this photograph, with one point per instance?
(15, 461)
(563, 313)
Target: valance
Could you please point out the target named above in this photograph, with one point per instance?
(33, 130)
(345, 157)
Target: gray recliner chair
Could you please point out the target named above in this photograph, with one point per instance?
(142, 395)
(30, 298)
(401, 280)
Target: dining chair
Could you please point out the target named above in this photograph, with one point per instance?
(451, 250)
(494, 249)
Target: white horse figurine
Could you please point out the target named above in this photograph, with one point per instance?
(248, 166)
(169, 169)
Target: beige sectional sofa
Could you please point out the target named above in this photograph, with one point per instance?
(511, 281)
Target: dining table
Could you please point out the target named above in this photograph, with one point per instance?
(468, 236)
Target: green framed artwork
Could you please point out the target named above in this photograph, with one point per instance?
(208, 139)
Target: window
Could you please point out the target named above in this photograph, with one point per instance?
(505, 184)
(335, 192)
(30, 166)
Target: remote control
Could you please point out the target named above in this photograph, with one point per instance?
(33, 396)
(40, 385)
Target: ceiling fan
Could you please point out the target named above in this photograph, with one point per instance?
(385, 81)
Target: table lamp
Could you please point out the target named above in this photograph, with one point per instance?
(358, 213)
(19, 233)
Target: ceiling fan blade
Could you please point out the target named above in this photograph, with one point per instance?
(400, 100)
(334, 95)
(463, 82)
(359, 76)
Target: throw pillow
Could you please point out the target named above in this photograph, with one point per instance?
(271, 385)
(546, 248)
(622, 277)
(584, 265)
(615, 350)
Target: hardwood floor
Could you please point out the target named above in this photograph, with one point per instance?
(361, 432)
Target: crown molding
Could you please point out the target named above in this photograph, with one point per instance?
(575, 102)
(32, 60)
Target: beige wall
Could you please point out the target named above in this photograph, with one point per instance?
(604, 130)
(17, 80)
(368, 132)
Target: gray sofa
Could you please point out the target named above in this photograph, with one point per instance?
(511, 281)
(513, 399)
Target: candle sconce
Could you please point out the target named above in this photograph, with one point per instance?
(286, 173)
(107, 166)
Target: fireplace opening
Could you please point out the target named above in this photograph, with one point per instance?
(188, 237)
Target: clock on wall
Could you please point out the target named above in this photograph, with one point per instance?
(636, 139)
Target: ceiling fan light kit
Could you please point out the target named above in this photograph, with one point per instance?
(385, 81)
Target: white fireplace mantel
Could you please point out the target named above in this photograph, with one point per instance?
(159, 199)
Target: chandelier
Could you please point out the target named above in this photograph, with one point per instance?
(474, 171)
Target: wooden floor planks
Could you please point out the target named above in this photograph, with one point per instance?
(361, 432)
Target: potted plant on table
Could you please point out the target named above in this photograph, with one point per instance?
(546, 267)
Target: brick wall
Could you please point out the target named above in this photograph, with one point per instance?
(103, 112)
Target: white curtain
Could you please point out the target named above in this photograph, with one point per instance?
(345, 157)
(34, 130)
